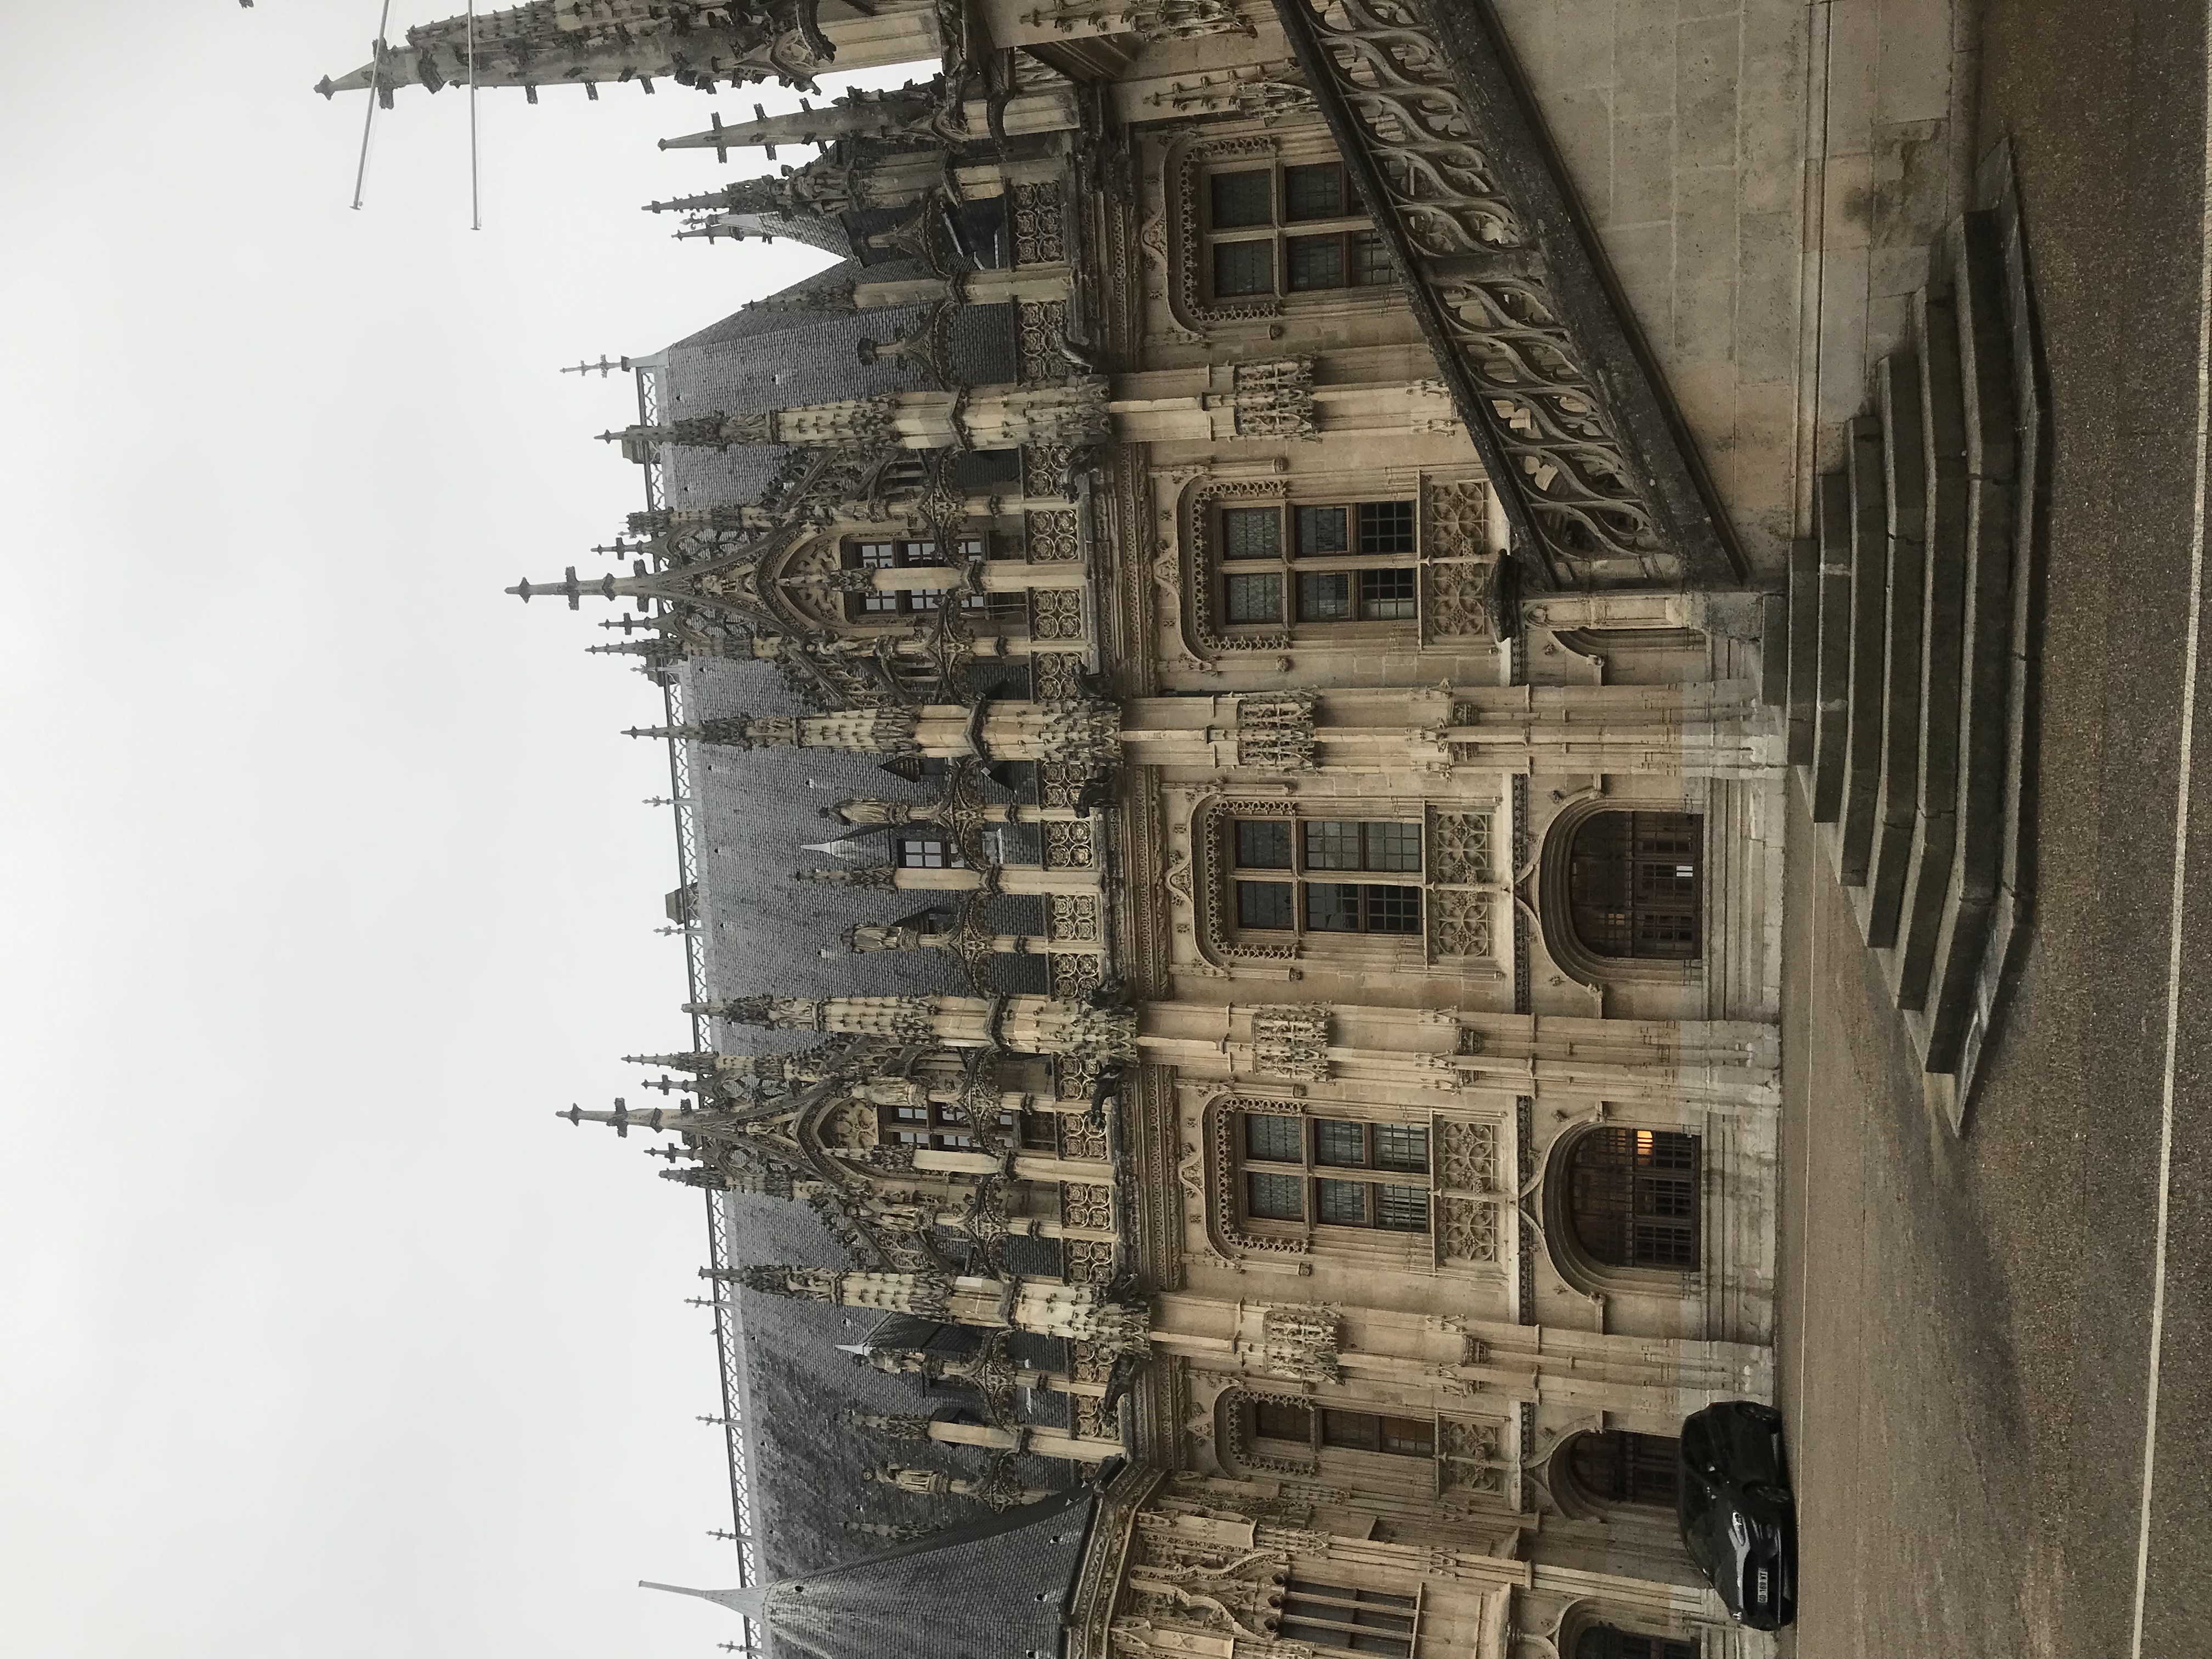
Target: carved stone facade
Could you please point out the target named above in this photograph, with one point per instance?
(1387, 894)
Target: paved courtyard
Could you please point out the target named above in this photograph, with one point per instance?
(1967, 1327)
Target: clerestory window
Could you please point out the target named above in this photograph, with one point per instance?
(1289, 229)
(1333, 1172)
(1341, 562)
(1325, 875)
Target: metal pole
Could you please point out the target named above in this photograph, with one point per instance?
(367, 121)
(476, 197)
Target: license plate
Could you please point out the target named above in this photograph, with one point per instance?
(1762, 1584)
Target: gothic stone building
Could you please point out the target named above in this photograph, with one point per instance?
(1229, 767)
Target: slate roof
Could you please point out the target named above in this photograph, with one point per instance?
(779, 355)
(992, 1594)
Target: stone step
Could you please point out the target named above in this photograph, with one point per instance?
(1997, 190)
(1942, 618)
(1991, 426)
(1832, 685)
(1897, 405)
(1869, 583)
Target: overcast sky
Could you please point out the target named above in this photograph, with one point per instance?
(327, 878)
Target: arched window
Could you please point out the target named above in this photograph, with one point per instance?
(1342, 562)
(1633, 1197)
(1611, 1642)
(1333, 1172)
(1618, 1468)
(1636, 885)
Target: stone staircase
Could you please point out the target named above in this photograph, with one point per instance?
(1914, 615)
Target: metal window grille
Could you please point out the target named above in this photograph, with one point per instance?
(1633, 1197)
(1635, 884)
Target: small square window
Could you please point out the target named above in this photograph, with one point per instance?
(1265, 905)
(1372, 264)
(1272, 1136)
(1325, 596)
(1316, 191)
(1394, 910)
(1386, 595)
(1275, 1197)
(1341, 1203)
(877, 555)
(1314, 262)
(1282, 1419)
(873, 602)
(1243, 267)
(1321, 530)
(1251, 532)
(921, 553)
(1408, 1436)
(1401, 1147)
(1343, 1145)
(1263, 844)
(1333, 907)
(1254, 598)
(1243, 199)
(1386, 527)
(1393, 847)
(1332, 845)
(917, 852)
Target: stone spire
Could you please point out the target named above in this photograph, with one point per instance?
(1043, 1307)
(1073, 414)
(1023, 1024)
(695, 42)
(860, 113)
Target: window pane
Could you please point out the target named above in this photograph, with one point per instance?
(920, 854)
(1272, 1136)
(1282, 1419)
(1342, 1203)
(877, 555)
(1314, 262)
(1340, 1142)
(873, 602)
(1265, 905)
(1321, 530)
(1394, 910)
(1386, 595)
(1402, 1209)
(1332, 907)
(1401, 1147)
(1386, 527)
(1324, 596)
(1251, 532)
(1274, 1197)
(924, 599)
(1242, 199)
(1243, 267)
(1332, 845)
(1393, 847)
(1263, 845)
(1409, 1437)
(1370, 260)
(920, 553)
(1313, 192)
(1356, 1430)
(1254, 598)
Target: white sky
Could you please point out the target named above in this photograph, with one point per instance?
(326, 878)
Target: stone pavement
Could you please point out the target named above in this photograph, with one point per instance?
(1967, 1327)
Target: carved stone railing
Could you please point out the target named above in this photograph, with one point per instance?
(1596, 469)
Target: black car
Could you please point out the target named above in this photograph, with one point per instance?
(1738, 1517)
